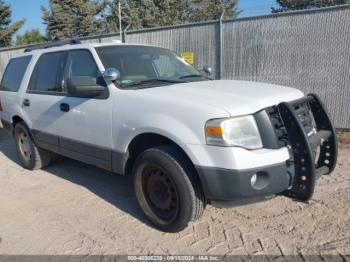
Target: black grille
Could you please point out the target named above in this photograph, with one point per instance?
(304, 116)
(277, 123)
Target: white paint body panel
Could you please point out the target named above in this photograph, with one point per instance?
(236, 97)
(236, 158)
(89, 121)
(180, 112)
(177, 111)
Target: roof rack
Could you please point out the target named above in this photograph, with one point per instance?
(53, 44)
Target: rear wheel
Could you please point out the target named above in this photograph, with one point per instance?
(30, 155)
(167, 188)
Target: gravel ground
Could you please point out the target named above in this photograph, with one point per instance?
(73, 208)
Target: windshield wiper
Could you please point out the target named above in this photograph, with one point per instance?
(156, 80)
(193, 75)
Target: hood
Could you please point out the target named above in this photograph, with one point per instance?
(235, 97)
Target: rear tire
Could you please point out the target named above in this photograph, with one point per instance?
(31, 156)
(167, 188)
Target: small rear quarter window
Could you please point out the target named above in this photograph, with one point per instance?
(14, 73)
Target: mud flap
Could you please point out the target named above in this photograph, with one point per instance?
(306, 170)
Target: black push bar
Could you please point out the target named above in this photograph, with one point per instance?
(305, 147)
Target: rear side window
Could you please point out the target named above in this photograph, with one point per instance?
(14, 73)
(47, 73)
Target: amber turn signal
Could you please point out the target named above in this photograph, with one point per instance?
(214, 131)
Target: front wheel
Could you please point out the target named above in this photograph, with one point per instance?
(30, 155)
(167, 188)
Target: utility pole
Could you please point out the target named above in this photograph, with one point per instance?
(120, 20)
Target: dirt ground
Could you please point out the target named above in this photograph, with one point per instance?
(72, 208)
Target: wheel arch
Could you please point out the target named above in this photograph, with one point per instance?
(144, 141)
(15, 120)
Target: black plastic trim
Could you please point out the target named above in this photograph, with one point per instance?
(91, 160)
(51, 93)
(90, 154)
(224, 184)
(119, 161)
(85, 149)
(41, 137)
(267, 131)
(240, 202)
(7, 125)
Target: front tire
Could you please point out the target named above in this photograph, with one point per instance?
(167, 188)
(31, 156)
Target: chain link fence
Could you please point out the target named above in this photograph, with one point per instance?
(308, 50)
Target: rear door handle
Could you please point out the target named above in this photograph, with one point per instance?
(26, 102)
(64, 107)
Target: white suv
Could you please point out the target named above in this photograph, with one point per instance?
(187, 140)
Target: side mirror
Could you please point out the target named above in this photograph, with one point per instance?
(111, 74)
(84, 86)
(207, 69)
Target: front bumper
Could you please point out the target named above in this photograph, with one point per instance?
(224, 185)
(311, 156)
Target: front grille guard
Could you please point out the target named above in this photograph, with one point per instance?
(306, 169)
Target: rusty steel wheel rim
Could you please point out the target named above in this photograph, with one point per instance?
(24, 146)
(160, 192)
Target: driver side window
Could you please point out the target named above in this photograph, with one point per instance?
(81, 63)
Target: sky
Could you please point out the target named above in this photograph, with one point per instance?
(30, 10)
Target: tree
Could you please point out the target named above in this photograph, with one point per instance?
(138, 14)
(72, 18)
(7, 28)
(204, 10)
(287, 5)
(30, 37)
(130, 14)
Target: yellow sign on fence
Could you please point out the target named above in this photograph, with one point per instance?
(188, 57)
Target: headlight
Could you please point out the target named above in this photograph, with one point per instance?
(238, 131)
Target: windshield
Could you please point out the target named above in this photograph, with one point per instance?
(141, 66)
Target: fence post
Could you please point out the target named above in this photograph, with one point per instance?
(123, 37)
(219, 49)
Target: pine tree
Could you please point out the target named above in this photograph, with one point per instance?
(30, 37)
(130, 15)
(170, 12)
(86, 22)
(7, 28)
(72, 18)
(204, 10)
(288, 5)
(138, 14)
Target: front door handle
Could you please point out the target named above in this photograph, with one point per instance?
(26, 102)
(64, 107)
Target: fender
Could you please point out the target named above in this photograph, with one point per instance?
(157, 124)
